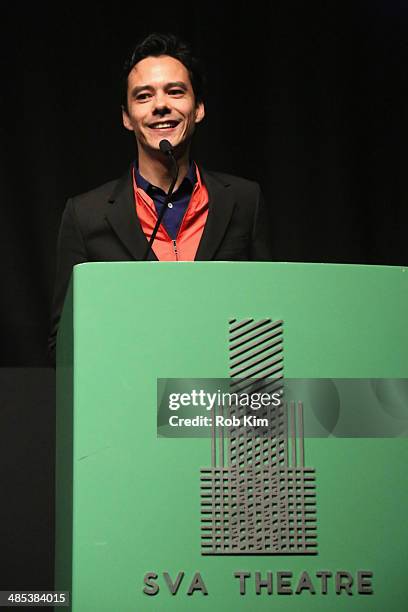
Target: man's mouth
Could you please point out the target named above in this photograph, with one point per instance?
(163, 125)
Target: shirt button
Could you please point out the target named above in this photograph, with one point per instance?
(170, 205)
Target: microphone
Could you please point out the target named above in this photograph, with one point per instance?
(167, 148)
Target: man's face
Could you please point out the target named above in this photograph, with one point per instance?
(161, 103)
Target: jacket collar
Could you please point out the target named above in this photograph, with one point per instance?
(221, 203)
(123, 219)
(122, 216)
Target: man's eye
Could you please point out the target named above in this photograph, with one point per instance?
(176, 92)
(142, 96)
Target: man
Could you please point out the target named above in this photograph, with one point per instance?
(211, 216)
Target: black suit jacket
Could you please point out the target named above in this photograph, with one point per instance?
(102, 225)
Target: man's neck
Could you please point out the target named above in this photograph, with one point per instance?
(157, 170)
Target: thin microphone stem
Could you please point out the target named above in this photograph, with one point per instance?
(165, 206)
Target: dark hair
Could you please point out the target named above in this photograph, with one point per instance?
(157, 44)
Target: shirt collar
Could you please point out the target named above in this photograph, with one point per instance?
(191, 177)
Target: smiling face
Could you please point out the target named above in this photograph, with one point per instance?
(161, 104)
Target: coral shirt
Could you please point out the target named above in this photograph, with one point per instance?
(184, 247)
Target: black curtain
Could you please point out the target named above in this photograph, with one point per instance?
(308, 98)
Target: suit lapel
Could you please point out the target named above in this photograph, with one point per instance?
(220, 206)
(123, 219)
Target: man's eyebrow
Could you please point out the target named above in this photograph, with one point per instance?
(177, 84)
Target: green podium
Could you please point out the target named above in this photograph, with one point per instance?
(148, 522)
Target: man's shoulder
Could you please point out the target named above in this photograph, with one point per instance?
(244, 190)
(95, 203)
(232, 179)
(103, 191)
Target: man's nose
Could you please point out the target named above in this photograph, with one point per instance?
(161, 105)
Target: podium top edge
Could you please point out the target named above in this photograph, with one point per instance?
(289, 264)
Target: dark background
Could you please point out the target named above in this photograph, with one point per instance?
(309, 99)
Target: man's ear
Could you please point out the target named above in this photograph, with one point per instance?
(125, 120)
(200, 112)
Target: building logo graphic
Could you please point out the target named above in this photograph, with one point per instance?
(258, 497)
